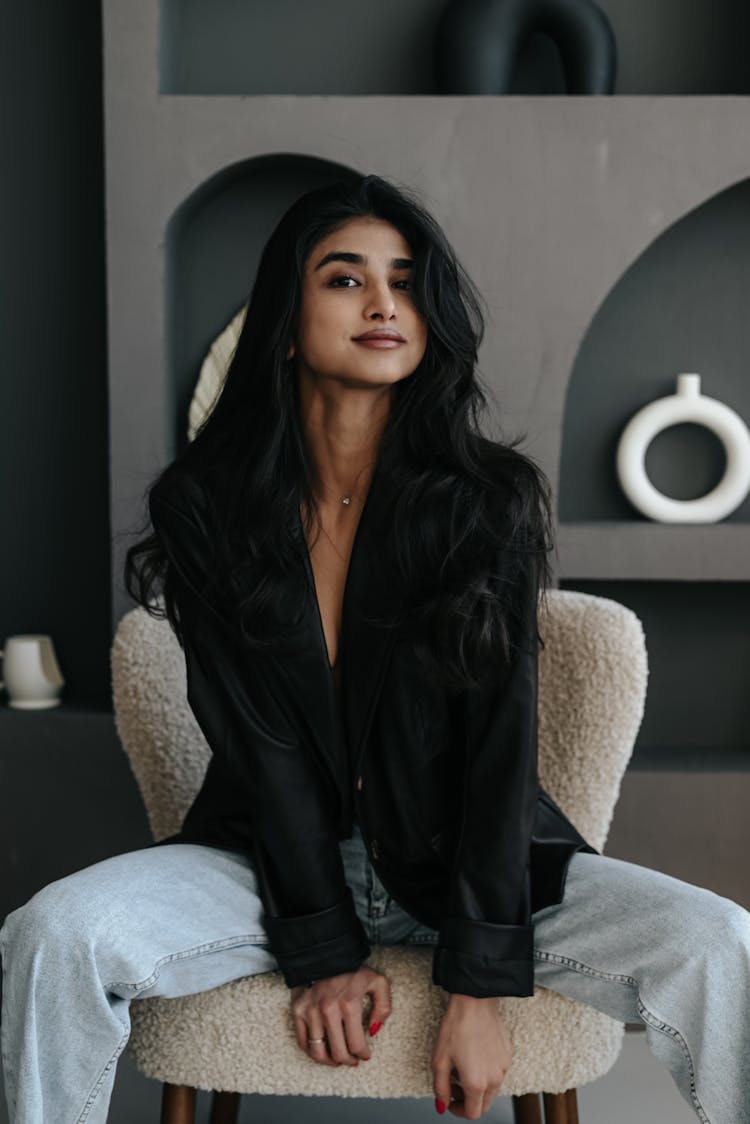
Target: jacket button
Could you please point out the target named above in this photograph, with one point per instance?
(359, 783)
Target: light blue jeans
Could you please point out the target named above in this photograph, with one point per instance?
(182, 918)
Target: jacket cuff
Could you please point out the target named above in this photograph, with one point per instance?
(481, 959)
(315, 946)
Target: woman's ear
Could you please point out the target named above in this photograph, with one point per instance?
(290, 350)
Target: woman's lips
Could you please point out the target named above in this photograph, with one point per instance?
(380, 340)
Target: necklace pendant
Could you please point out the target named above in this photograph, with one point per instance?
(346, 499)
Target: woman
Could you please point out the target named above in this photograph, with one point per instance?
(353, 571)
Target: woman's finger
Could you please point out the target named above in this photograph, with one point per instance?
(318, 1052)
(357, 1045)
(441, 1084)
(300, 1029)
(457, 1102)
(380, 990)
(467, 1103)
(317, 1040)
(489, 1095)
(337, 1045)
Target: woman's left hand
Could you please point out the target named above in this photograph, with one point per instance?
(471, 1056)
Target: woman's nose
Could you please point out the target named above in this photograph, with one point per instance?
(380, 302)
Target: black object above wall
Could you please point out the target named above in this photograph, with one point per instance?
(478, 43)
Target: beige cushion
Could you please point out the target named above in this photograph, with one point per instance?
(593, 673)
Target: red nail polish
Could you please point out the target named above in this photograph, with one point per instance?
(440, 1106)
(375, 1028)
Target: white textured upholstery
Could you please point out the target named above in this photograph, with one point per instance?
(239, 1037)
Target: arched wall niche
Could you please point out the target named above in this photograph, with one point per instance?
(681, 306)
(213, 245)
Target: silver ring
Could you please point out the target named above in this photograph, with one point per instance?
(314, 1041)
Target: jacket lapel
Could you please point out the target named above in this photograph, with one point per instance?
(364, 647)
(370, 595)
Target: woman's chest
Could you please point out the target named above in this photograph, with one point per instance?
(329, 561)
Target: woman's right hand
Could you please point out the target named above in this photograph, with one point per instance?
(332, 1010)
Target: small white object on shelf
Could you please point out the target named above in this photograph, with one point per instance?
(687, 405)
(33, 678)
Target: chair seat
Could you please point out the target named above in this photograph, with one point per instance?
(240, 1038)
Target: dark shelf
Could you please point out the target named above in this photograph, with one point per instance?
(697, 713)
(691, 759)
(642, 550)
(65, 709)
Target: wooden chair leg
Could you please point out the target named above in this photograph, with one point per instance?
(561, 1108)
(572, 1099)
(527, 1109)
(177, 1104)
(225, 1108)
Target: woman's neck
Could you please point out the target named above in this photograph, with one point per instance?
(342, 428)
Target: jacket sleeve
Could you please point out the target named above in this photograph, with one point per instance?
(309, 915)
(485, 944)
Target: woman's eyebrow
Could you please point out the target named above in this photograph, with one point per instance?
(360, 259)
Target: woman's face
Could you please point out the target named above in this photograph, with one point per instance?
(358, 322)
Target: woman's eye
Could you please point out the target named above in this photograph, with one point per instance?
(341, 282)
(404, 284)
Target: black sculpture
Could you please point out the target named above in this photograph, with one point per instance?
(478, 42)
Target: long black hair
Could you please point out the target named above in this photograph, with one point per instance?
(471, 528)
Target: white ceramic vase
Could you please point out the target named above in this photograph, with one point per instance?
(33, 678)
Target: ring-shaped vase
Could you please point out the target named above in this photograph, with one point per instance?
(687, 405)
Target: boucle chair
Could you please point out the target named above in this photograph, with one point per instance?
(239, 1038)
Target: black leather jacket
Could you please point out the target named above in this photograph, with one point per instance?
(445, 792)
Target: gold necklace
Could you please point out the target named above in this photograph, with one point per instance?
(325, 532)
(333, 544)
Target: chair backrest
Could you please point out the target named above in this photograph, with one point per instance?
(592, 688)
(593, 672)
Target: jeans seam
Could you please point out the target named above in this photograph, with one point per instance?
(676, 1036)
(425, 940)
(189, 953)
(100, 1081)
(141, 985)
(647, 1015)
